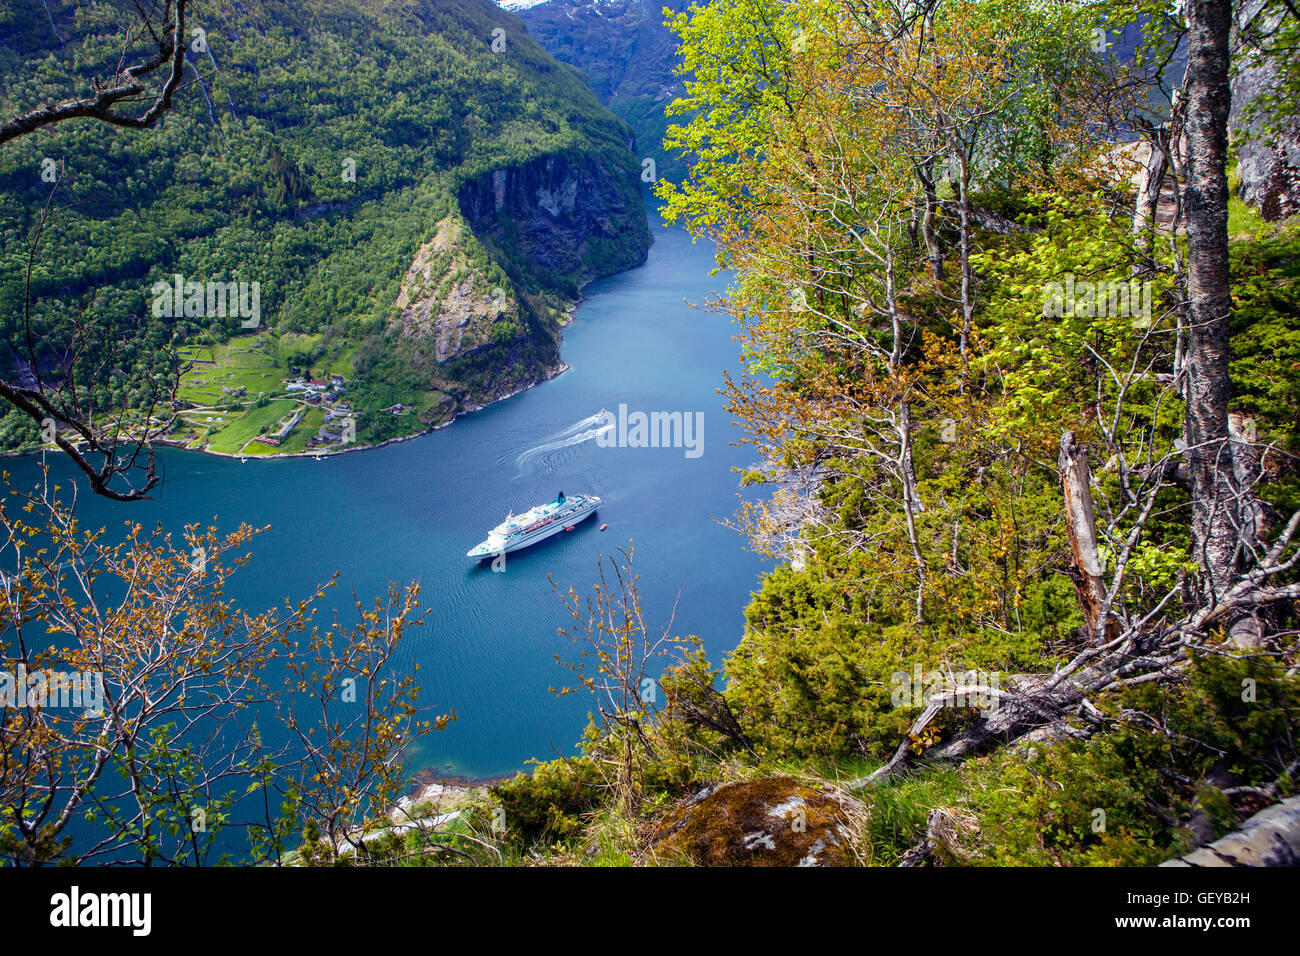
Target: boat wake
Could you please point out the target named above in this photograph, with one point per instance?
(577, 433)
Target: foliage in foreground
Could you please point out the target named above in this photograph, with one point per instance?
(199, 733)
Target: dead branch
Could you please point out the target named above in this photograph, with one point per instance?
(126, 86)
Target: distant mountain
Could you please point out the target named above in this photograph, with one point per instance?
(626, 53)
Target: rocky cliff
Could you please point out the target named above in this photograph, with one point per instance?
(479, 311)
(447, 308)
(563, 219)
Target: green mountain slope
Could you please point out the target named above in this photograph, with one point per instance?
(628, 56)
(326, 148)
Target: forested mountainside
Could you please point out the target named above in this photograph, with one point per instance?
(628, 55)
(416, 187)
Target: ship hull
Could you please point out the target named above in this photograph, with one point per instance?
(551, 531)
(487, 550)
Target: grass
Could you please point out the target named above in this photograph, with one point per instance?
(331, 358)
(232, 438)
(1244, 218)
(260, 369)
(235, 364)
(297, 440)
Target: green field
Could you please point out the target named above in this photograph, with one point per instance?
(311, 351)
(297, 440)
(237, 432)
(240, 362)
(260, 366)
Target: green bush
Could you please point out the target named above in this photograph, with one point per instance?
(549, 804)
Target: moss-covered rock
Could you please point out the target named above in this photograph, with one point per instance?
(776, 821)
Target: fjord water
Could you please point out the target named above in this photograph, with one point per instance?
(410, 511)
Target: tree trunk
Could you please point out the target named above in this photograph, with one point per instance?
(964, 215)
(1151, 180)
(1248, 629)
(1085, 561)
(1269, 838)
(911, 503)
(1206, 204)
(929, 233)
(925, 170)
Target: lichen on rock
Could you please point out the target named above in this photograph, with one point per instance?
(775, 821)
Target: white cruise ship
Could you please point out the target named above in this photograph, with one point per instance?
(536, 524)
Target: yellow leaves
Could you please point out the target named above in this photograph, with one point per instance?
(921, 742)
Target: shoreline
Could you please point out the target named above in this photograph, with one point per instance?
(570, 317)
(444, 792)
(352, 449)
(431, 776)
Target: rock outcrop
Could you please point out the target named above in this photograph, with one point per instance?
(1268, 146)
(565, 219)
(479, 312)
(465, 330)
(449, 304)
(776, 821)
(1269, 838)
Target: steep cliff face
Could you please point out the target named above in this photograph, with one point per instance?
(558, 221)
(446, 304)
(466, 331)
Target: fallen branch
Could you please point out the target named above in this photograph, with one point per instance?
(1145, 651)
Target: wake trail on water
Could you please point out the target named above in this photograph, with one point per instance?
(577, 433)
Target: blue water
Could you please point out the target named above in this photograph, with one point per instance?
(410, 511)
